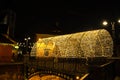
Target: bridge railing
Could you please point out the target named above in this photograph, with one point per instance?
(68, 66)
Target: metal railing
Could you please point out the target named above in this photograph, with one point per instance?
(67, 66)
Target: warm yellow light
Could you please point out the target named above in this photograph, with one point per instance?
(25, 39)
(105, 23)
(39, 39)
(119, 21)
(75, 45)
(16, 47)
(77, 77)
(43, 47)
(28, 38)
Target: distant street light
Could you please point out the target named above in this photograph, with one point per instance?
(27, 39)
(119, 21)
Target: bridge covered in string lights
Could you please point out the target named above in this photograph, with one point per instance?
(78, 56)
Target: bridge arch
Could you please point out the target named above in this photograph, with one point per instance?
(49, 75)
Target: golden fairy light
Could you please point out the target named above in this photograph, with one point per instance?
(95, 43)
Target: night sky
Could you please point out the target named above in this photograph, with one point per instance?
(65, 17)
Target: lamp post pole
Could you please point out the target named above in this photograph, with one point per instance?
(27, 39)
(114, 37)
(113, 30)
(113, 34)
(26, 59)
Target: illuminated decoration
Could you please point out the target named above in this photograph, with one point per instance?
(45, 47)
(77, 77)
(46, 77)
(43, 36)
(95, 43)
(16, 47)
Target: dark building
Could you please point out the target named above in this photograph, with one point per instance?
(8, 18)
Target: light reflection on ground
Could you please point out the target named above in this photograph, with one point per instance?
(46, 77)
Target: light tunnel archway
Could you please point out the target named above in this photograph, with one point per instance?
(94, 43)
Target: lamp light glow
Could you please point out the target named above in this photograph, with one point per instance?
(105, 23)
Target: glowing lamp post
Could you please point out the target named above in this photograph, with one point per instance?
(27, 39)
(26, 59)
(105, 23)
(113, 33)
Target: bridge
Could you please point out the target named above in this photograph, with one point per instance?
(80, 56)
(98, 68)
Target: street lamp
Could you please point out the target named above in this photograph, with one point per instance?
(113, 32)
(105, 23)
(119, 21)
(27, 39)
(26, 59)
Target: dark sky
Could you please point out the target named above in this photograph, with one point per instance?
(43, 20)
(37, 17)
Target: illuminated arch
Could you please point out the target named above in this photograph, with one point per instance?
(94, 43)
